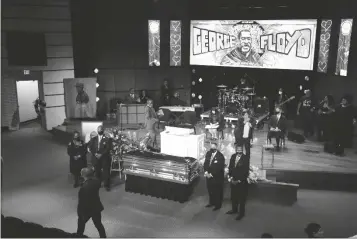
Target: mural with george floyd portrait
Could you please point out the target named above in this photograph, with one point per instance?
(80, 97)
(81, 104)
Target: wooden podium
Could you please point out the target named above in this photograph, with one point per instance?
(130, 114)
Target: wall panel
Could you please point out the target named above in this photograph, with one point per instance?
(59, 51)
(36, 25)
(36, 12)
(57, 76)
(55, 116)
(58, 39)
(58, 3)
(52, 64)
(54, 100)
(53, 89)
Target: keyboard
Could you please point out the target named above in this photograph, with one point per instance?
(178, 108)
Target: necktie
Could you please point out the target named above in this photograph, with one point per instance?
(212, 157)
(99, 139)
(237, 160)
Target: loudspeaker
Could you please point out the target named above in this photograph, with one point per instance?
(296, 137)
(261, 105)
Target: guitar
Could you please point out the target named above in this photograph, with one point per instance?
(284, 102)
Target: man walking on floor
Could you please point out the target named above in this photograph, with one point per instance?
(89, 204)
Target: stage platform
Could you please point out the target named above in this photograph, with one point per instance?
(305, 164)
(231, 117)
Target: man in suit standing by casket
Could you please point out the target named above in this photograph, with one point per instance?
(89, 204)
(214, 173)
(277, 127)
(99, 147)
(151, 122)
(238, 172)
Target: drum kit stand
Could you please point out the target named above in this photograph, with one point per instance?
(237, 98)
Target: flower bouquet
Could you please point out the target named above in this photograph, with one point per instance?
(255, 175)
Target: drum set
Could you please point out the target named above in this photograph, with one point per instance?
(236, 100)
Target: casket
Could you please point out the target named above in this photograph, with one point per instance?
(182, 170)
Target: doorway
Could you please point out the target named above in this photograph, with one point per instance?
(27, 93)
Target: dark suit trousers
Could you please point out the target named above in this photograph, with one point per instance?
(246, 144)
(102, 170)
(215, 191)
(97, 220)
(277, 135)
(239, 194)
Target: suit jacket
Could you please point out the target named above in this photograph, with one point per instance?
(88, 198)
(239, 171)
(177, 102)
(129, 100)
(281, 123)
(104, 146)
(216, 168)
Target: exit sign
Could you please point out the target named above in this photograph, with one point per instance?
(26, 72)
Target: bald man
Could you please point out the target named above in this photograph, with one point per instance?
(99, 147)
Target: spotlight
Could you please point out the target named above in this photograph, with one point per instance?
(96, 70)
(200, 97)
(300, 87)
(200, 80)
(193, 95)
(193, 71)
(193, 82)
(264, 97)
(97, 99)
(154, 27)
(307, 78)
(97, 85)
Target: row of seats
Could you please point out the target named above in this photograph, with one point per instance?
(12, 227)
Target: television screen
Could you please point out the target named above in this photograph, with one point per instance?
(26, 49)
(274, 44)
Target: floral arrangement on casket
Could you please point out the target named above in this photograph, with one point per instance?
(122, 143)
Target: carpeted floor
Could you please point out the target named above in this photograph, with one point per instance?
(36, 188)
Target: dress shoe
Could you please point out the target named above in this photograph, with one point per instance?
(239, 217)
(216, 208)
(209, 205)
(231, 212)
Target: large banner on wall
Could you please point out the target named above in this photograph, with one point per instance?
(275, 44)
(80, 97)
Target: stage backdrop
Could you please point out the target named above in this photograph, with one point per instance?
(80, 97)
(275, 44)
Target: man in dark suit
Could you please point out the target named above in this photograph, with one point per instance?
(89, 204)
(214, 173)
(277, 127)
(132, 98)
(176, 101)
(238, 172)
(99, 147)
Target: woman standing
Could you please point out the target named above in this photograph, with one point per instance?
(325, 114)
(77, 151)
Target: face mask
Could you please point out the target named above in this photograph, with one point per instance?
(213, 112)
(100, 132)
(280, 92)
(214, 150)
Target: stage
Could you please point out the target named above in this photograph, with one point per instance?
(305, 164)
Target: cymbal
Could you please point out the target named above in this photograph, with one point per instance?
(247, 88)
(251, 94)
(221, 86)
(235, 88)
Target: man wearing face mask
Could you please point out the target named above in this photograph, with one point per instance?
(76, 150)
(277, 127)
(238, 172)
(132, 98)
(214, 174)
(99, 147)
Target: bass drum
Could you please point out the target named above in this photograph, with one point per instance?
(233, 108)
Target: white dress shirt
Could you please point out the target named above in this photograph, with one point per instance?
(246, 130)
